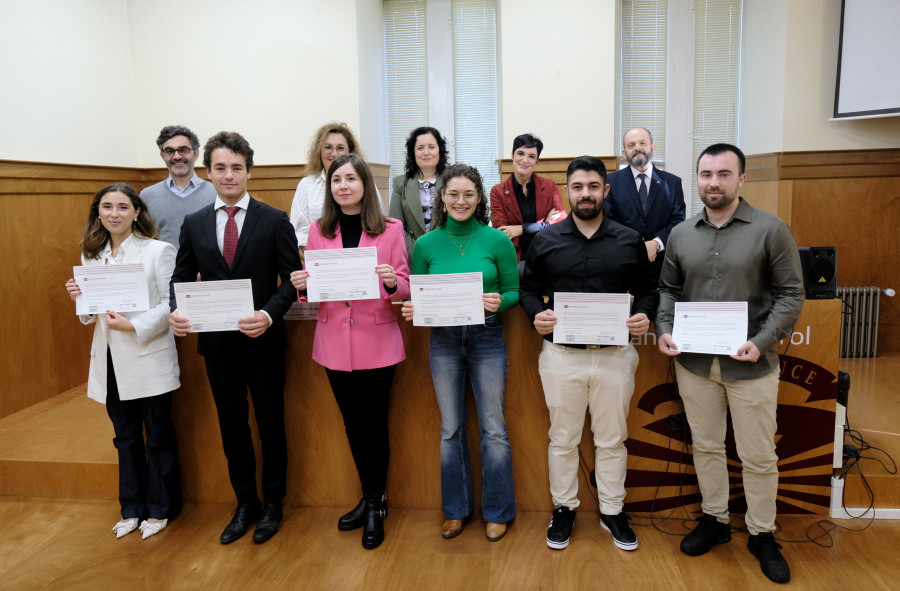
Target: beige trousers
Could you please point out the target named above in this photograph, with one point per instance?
(753, 404)
(576, 380)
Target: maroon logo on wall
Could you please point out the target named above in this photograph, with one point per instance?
(810, 429)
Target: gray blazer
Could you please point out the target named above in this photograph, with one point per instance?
(407, 207)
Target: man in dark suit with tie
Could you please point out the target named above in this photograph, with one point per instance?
(237, 237)
(644, 198)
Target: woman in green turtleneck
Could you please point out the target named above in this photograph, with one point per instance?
(460, 241)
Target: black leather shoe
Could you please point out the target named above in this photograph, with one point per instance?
(269, 524)
(373, 529)
(355, 518)
(243, 516)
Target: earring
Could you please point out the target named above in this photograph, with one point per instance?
(444, 208)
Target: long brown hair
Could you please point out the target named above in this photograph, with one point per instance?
(96, 236)
(373, 222)
(314, 156)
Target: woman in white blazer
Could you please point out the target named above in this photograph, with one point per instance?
(134, 364)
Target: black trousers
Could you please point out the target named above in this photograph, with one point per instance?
(261, 372)
(363, 397)
(149, 474)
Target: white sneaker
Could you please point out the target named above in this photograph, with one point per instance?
(150, 528)
(126, 526)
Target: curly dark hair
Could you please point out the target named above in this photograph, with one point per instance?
(412, 169)
(439, 212)
(170, 131)
(231, 140)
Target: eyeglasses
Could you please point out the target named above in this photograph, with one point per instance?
(452, 196)
(182, 151)
(328, 149)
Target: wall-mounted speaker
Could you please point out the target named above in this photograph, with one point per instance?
(819, 271)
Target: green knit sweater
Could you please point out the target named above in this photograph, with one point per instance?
(489, 251)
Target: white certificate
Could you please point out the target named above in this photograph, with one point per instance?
(710, 327)
(214, 306)
(591, 318)
(453, 299)
(120, 288)
(342, 274)
(302, 311)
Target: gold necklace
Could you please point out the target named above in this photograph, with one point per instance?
(462, 247)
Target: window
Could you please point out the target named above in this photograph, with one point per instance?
(717, 78)
(406, 75)
(642, 75)
(710, 100)
(449, 85)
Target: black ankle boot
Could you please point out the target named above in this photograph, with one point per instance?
(373, 531)
(353, 519)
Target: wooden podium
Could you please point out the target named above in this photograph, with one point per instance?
(660, 473)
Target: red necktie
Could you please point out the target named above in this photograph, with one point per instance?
(229, 245)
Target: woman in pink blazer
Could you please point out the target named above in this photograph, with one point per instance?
(134, 364)
(359, 341)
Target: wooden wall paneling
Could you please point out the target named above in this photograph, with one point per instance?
(46, 347)
(43, 208)
(414, 479)
(859, 216)
(847, 199)
(764, 195)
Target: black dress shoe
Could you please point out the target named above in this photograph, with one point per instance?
(355, 518)
(373, 529)
(243, 516)
(269, 524)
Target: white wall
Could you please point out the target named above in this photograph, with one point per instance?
(66, 82)
(273, 71)
(790, 57)
(558, 73)
(93, 81)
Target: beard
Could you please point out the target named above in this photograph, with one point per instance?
(640, 159)
(716, 202)
(587, 214)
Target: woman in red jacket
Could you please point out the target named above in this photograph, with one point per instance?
(525, 203)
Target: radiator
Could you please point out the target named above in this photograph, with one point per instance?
(859, 321)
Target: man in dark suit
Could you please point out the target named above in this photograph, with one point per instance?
(237, 237)
(644, 198)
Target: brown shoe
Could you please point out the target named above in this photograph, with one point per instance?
(451, 528)
(494, 531)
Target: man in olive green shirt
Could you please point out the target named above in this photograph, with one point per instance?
(731, 252)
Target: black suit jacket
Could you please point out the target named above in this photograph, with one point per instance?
(665, 205)
(266, 251)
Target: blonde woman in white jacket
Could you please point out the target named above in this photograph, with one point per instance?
(134, 364)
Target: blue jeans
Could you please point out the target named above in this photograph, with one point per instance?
(480, 352)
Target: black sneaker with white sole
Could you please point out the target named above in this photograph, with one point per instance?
(560, 527)
(623, 535)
